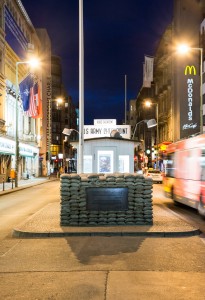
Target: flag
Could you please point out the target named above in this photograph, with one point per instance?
(32, 111)
(25, 87)
(148, 71)
(38, 101)
(146, 83)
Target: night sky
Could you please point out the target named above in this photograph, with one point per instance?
(117, 35)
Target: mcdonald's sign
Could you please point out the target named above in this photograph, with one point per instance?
(190, 70)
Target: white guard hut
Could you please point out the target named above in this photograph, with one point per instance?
(107, 148)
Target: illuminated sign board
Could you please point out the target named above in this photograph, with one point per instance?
(189, 70)
(190, 99)
(96, 131)
(8, 147)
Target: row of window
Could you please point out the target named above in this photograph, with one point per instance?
(19, 20)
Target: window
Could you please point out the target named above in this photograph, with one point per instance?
(124, 163)
(170, 165)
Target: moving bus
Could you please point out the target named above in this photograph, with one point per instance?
(184, 179)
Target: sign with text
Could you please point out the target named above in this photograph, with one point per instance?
(190, 98)
(105, 122)
(96, 131)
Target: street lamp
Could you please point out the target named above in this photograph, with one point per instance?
(58, 103)
(149, 103)
(68, 131)
(185, 49)
(32, 63)
(150, 123)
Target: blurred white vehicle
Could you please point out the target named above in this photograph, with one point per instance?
(156, 175)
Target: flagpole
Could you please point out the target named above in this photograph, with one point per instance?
(125, 99)
(81, 89)
(16, 136)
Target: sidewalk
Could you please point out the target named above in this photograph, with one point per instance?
(46, 223)
(9, 187)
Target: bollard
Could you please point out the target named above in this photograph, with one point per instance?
(3, 184)
(12, 183)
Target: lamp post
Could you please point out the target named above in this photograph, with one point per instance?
(149, 103)
(64, 158)
(150, 123)
(58, 103)
(184, 49)
(68, 131)
(125, 99)
(33, 63)
(81, 89)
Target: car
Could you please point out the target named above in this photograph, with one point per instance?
(156, 175)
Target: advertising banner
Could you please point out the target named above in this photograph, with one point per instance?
(148, 71)
(190, 98)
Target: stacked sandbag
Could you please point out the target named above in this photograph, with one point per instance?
(74, 211)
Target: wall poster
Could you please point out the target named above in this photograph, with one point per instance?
(105, 162)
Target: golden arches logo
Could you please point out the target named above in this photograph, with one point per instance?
(190, 70)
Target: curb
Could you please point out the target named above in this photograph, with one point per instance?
(23, 187)
(23, 234)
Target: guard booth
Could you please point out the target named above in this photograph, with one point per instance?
(108, 147)
(108, 155)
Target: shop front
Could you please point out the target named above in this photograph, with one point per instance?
(28, 161)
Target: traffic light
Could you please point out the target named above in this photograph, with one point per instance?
(148, 151)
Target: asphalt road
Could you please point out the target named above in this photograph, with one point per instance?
(16, 207)
(185, 212)
(85, 268)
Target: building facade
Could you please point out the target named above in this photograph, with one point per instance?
(18, 42)
(29, 139)
(63, 116)
(175, 90)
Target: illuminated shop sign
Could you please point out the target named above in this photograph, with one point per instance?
(190, 70)
(7, 146)
(25, 150)
(190, 100)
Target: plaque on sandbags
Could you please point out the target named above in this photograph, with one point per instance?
(107, 198)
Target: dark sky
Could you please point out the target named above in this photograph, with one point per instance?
(117, 35)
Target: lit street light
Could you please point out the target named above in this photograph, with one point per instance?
(58, 103)
(183, 49)
(32, 63)
(149, 103)
(150, 123)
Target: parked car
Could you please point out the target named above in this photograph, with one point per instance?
(156, 175)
